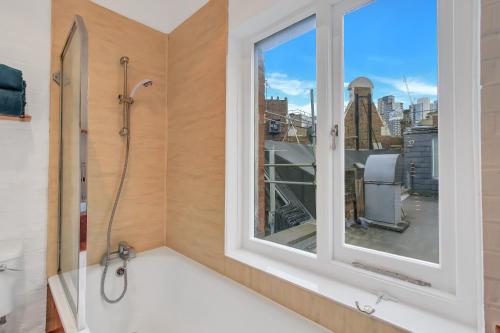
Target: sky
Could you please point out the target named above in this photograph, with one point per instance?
(384, 41)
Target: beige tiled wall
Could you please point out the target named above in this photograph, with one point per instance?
(140, 217)
(490, 80)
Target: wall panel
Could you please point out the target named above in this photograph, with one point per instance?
(196, 128)
(141, 214)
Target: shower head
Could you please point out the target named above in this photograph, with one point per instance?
(143, 83)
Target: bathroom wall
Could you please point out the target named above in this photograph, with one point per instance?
(196, 128)
(196, 109)
(141, 214)
(490, 80)
(25, 44)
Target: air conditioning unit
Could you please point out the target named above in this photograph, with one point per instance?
(382, 180)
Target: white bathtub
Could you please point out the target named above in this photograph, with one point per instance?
(168, 292)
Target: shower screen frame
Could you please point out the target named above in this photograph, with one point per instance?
(78, 304)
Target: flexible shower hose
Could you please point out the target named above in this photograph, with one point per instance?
(110, 225)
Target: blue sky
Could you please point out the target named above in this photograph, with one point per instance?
(385, 41)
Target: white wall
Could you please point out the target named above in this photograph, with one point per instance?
(25, 44)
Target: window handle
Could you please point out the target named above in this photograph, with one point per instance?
(365, 308)
(334, 133)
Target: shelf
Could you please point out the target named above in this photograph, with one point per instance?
(26, 118)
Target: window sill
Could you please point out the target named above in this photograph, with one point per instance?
(397, 313)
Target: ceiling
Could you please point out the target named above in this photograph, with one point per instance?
(161, 15)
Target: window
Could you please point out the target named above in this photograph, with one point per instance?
(285, 163)
(391, 194)
(351, 137)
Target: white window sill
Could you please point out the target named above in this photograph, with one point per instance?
(396, 313)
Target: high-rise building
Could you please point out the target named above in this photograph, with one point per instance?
(392, 113)
(435, 106)
(421, 109)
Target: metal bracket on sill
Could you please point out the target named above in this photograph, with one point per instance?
(392, 274)
(367, 309)
(381, 296)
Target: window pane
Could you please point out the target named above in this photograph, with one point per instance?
(391, 128)
(285, 188)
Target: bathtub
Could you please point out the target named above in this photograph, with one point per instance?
(168, 292)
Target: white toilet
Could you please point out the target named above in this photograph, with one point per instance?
(10, 274)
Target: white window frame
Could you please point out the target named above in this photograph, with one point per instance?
(457, 294)
(441, 275)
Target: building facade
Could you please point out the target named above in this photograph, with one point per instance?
(421, 159)
(421, 109)
(392, 113)
(363, 124)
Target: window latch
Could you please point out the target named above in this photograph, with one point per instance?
(381, 296)
(334, 133)
(368, 309)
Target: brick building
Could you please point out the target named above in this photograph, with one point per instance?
(359, 114)
(261, 100)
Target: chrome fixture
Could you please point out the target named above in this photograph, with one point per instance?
(381, 296)
(142, 83)
(128, 100)
(125, 252)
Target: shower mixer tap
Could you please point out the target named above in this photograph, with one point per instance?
(124, 252)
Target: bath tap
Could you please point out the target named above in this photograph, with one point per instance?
(124, 252)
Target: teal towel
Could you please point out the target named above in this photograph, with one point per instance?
(11, 78)
(12, 102)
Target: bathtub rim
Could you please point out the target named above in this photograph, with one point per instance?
(63, 307)
(68, 319)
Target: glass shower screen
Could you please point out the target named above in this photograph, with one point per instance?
(72, 80)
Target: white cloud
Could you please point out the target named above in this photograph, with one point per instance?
(416, 86)
(288, 86)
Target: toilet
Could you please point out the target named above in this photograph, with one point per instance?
(10, 273)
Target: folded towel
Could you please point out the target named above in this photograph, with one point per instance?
(11, 102)
(11, 78)
(24, 96)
